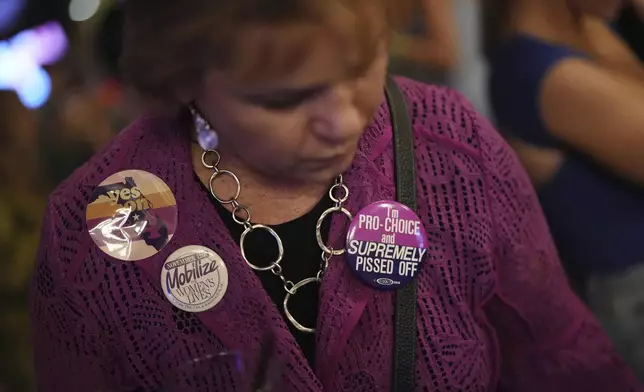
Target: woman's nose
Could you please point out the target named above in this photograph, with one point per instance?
(336, 117)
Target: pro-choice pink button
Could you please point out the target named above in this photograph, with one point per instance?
(386, 245)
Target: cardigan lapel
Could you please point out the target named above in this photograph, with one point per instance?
(232, 321)
(343, 297)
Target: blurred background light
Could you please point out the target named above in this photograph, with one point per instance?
(35, 90)
(82, 10)
(9, 12)
(22, 59)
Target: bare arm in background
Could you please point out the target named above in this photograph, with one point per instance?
(438, 49)
(599, 112)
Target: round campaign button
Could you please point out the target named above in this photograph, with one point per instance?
(194, 278)
(386, 245)
(132, 215)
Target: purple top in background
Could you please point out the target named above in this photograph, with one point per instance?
(494, 311)
(596, 217)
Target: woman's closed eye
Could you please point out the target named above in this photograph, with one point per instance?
(284, 100)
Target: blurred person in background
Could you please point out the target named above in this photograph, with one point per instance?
(427, 49)
(287, 98)
(569, 93)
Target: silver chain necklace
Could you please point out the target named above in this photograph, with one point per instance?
(241, 216)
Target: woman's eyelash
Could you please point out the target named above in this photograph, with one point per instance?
(283, 103)
(287, 101)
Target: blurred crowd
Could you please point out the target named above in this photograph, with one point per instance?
(490, 50)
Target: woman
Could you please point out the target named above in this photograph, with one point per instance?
(569, 95)
(426, 50)
(291, 98)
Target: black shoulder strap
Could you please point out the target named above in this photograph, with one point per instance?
(405, 343)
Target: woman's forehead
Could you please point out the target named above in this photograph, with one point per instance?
(265, 53)
(304, 51)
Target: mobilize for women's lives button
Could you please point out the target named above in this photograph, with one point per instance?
(194, 278)
(386, 245)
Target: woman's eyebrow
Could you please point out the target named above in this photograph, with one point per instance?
(287, 92)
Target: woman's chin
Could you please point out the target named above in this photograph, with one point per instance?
(322, 172)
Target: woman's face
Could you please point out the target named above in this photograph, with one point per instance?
(302, 126)
(606, 9)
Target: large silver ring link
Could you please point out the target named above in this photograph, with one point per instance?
(218, 173)
(293, 291)
(280, 247)
(318, 229)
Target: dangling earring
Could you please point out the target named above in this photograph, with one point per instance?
(206, 136)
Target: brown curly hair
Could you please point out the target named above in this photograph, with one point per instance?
(169, 45)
